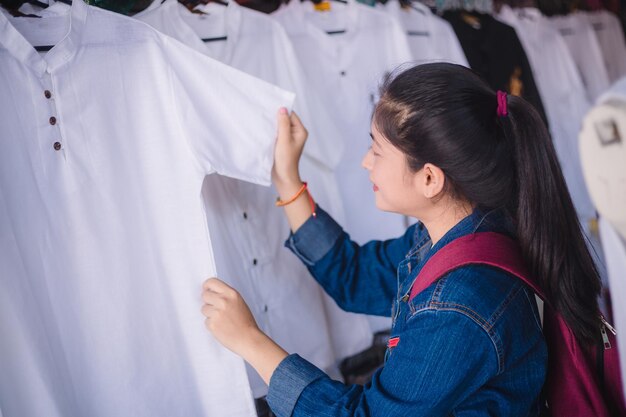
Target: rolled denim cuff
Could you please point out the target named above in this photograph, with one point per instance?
(314, 238)
(288, 381)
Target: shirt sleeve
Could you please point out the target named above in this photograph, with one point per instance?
(361, 279)
(227, 117)
(428, 374)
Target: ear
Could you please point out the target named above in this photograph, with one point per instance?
(433, 180)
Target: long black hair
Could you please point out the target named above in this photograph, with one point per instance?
(445, 114)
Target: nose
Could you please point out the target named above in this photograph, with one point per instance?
(368, 160)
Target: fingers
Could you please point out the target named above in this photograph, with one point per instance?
(299, 131)
(208, 309)
(284, 125)
(216, 285)
(216, 293)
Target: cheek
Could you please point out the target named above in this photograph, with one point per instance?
(388, 180)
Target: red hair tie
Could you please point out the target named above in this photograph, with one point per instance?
(502, 110)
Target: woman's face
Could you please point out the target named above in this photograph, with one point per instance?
(395, 187)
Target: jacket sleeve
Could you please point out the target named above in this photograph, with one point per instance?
(428, 374)
(361, 279)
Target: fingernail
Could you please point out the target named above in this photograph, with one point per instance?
(283, 110)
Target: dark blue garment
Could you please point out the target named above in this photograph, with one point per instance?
(470, 344)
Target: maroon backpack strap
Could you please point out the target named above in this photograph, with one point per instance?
(484, 248)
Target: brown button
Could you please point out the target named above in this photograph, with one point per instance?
(53, 120)
(57, 146)
(47, 93)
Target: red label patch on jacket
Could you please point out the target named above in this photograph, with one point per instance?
(393, 342)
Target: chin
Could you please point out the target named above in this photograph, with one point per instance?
(386, 207)
(382, 206)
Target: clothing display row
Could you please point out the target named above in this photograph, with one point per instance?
(136, 163)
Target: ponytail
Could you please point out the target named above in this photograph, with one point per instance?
(548, 229)
(446, 115)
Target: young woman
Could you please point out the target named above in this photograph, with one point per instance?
(460, 158)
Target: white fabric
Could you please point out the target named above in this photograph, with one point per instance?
(583, 45)
(347, 69)
(248, 231)
(104, 243)
(617, 92)
(27, 8)
(604, 155)
(165, 16)
(562, 94)
(615, 253)
(610, 35)
(430, 37)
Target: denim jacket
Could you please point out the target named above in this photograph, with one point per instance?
(469, 345)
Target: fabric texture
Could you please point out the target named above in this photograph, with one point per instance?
(430, 38)
(582, 42)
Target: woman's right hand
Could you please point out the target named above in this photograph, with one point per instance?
(292, 136)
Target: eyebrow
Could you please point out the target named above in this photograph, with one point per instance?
(374, 140)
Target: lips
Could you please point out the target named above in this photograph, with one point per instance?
(375, 188)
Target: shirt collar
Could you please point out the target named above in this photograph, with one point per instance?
(233, 16)
(13, 41)
(329, 44)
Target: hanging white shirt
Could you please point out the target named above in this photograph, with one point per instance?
(347, 67)
(248, 231)
(165, 16)
(430, 37)
(562, 94)
(610, 36)
(583, 45)
(106, 140)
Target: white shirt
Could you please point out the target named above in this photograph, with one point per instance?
(430, 37)
(583, 45)
(610, 36)
(562, 94)
(347, 69)
(248, 231)
(104, 241)
(165, 16)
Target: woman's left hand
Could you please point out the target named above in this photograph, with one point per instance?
(231, 322)
(228, 317)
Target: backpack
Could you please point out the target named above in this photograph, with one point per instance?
(580, 382)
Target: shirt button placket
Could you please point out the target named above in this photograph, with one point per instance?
(52, 120)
